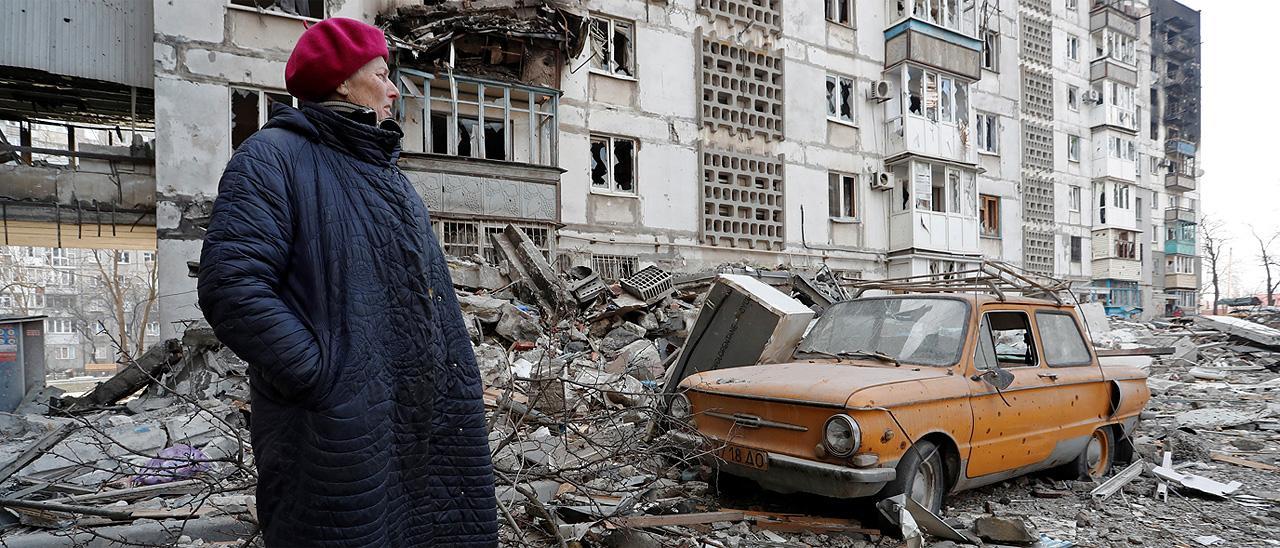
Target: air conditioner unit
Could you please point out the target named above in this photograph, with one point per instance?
(1092, 96)
(879, 91)
(881, 180)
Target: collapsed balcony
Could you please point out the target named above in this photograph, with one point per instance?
(479, 99)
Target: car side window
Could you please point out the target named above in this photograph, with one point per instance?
(985, 355)
(1012, 339)
(1063, 344)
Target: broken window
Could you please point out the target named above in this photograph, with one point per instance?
(991, 50)
(304, 8)
(1011, 338)
(1063, 344)
(1073, 148)
(612, 46)
(1111, 44)
(250, 109)
(842, 195)
(939, 98)
(613, 163)
(614, 267)
(913, 330)
(1074, 199)
(840, 11)
(1125, 245)
(988, 133)
(840, 98)
(989, 214)
(1073, 98)
(1181, 264)
(915, 91)
(1077, 249)
(1073, 47)
(477, 118)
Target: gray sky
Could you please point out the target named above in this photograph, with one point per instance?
(1240, 152)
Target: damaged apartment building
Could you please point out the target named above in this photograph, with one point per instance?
(879, 138)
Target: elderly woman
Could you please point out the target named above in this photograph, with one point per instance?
(320, 269)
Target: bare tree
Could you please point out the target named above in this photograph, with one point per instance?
(20, 282)
(1268, 260)
(129, 298)
(1211, 232)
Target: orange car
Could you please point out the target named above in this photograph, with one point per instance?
(922, 395)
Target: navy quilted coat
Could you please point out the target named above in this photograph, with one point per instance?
(320, 269)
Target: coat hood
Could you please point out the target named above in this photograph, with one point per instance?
(376, 145)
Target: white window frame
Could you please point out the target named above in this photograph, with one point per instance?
(949, 101)
(58, 257)
(606, 61)
(990, 58)
(276, 11)
(1073, 5)
(125, 258)
(833, 10)
(153, 329)
(986, 121)
(64, 352)
(610, 183)
(1075, 199)
(457, 100)
(61, 326)
(834, 102)
(1073, 98)
(1073, 47)
(148, 257)
(1073, 148)
(839, 178)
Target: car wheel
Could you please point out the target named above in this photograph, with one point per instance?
(1098, 455)
(921, 476)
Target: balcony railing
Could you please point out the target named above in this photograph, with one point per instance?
(1180, 215)
(1178, 181)
(1180, 247)
(1180, 146)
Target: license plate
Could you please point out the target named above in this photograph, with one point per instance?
(745, 456)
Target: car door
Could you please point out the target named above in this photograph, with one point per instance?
(1083, 398)
(1013, 429)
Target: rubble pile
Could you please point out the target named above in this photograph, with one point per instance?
(167, 466)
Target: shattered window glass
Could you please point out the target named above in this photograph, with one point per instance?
(244, 115)
(624, 165)
(915, 89)
(1011, 335)
(612, 46)
(912, 330)
(495, 144)
(600, 163)
(840, 98)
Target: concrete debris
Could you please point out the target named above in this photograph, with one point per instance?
(1005, 529)
(1197, 483)
(175, 455)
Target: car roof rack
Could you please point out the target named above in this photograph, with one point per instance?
(993, 277)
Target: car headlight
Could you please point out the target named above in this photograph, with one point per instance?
(841, 435)
(680, 407)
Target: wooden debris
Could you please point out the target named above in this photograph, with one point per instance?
(36, 449)
(795, 523)
(1229, 459)
(635, 522)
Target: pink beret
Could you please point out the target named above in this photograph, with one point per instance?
(328, 53)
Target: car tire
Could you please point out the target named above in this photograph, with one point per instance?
(1095, 461)
(922, 476)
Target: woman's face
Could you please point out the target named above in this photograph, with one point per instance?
(371, 87)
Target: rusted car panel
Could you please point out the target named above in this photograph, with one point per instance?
(1059, 406)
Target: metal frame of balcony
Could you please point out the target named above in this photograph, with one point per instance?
(1180, 215)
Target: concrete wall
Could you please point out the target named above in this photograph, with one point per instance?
(201, 50)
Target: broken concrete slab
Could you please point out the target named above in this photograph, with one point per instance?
(1095, 318)
(1005, 529)
(527, 264)
(1244, 329)
(1217, 418)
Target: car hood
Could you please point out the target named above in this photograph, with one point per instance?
(818, 382)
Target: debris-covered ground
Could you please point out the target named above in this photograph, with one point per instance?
(574, 367)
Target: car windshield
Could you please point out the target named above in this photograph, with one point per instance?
(910, 330)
